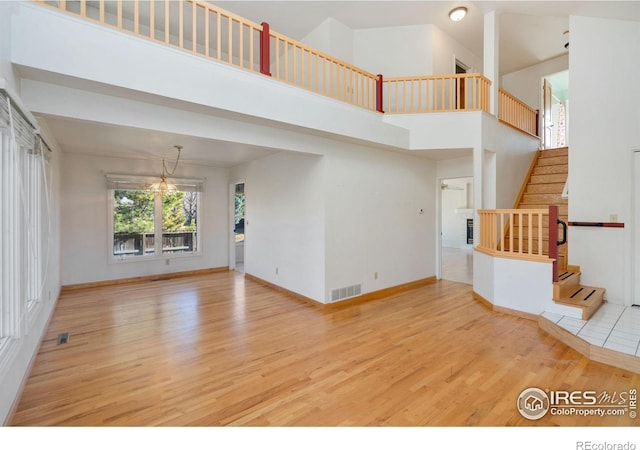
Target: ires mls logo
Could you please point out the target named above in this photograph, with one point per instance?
(534, 403)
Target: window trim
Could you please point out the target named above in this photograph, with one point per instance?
(115, 182)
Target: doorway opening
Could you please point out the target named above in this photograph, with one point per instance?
(555, 100)
(461, 68)
(456, 202)
(239, 203)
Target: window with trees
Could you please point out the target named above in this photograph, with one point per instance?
(147, 224)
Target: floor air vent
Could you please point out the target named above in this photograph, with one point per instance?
(63, 338)
(346, 292)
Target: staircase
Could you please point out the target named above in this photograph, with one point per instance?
(569, 292)
(542, 188)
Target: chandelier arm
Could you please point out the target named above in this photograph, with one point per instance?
(175, 166)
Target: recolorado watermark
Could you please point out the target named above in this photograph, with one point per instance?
(588, 445)
(534, 403)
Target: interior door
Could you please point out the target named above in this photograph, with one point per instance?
(547, 118)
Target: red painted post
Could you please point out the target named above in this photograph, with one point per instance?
(379, 105)
(553, 239)
(265, 50)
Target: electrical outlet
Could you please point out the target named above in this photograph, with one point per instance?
(375, 275)
(613, 218)
(276, 271)
(167, 262)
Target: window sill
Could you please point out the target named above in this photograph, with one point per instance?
(166, 256)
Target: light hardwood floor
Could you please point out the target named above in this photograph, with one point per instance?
(217, 350)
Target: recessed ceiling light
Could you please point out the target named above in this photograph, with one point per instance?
(457, 14)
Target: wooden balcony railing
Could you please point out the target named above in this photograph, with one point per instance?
(436, 93)
(516, 113)
(515, 233)
(194, 26)
(296, 63)
(205, 29)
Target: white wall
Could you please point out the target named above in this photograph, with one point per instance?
(394, 51)
(6, 69)
(483, 274)
(526, 84)
(514, 284)
(410, 51)
(85, 211)
(334, 221)
(446, 50)
(333, 38)
(522, 285)
(373, 221)
(514, 152)
(604, 131)
(284, 222)
(455, 167)
(440, 130)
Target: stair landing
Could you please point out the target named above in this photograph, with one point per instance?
(610, 336)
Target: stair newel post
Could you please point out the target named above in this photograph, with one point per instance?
(379, 93)
(553, 239)
(265, 50)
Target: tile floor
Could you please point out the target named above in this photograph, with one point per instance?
(614, 327)
(457, 265)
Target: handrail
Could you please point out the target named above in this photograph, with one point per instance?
(437, 93)
(194, 26)
(525, 182)
(516, 113)
(515, 233)
(308, 68)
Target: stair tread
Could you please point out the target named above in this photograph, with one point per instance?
(555, 169)
(544, 188)
(580, 295)
(568, 282)
(553, 152)
(544, 197)
(548, 178)
(567, 277)
(553, 160)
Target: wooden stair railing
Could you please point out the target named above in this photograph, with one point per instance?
(530, 228)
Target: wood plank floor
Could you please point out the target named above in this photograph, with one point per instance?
(218, 350)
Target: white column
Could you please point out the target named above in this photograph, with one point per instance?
(492, 57)
(478, 189)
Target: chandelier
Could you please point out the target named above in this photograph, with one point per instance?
(163, 187)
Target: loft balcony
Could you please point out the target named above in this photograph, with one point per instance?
(190, 53)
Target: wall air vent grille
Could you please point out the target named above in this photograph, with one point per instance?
(346, 292)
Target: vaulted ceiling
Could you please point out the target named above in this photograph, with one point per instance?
(530, 31)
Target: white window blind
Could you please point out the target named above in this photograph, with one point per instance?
(25, 224)
(140, 183)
